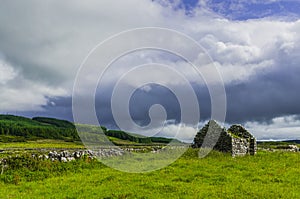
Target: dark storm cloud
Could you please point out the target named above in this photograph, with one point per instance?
(139, 105)
(266, 96)
(59, 107)
(272, 93)
(141, 101)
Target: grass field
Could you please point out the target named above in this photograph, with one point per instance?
(61, 144)
(266, 175)
(42, 144)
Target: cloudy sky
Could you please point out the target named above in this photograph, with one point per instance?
(254, 44)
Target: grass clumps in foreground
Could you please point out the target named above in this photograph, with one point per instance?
(25, 168)
(266, 175)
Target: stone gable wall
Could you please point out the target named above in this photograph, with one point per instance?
(240, 146)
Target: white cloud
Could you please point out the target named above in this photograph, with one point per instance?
(7, 72)
(146, 88)
(30, 97)
(244, 48)
(239, 49)
(185, 133)
(280, 128)
(21, 94)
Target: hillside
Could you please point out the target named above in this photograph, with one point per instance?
(54, 122)
(18, 129)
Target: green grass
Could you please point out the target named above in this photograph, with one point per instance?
(266, 175)
(42, 144)
(120, 142)
(275, 145)
(61, 144)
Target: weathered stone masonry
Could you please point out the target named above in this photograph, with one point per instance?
(236, 140)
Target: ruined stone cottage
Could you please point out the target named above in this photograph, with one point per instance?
(236, 140)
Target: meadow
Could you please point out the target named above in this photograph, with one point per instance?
(265, 175)
(42, 144)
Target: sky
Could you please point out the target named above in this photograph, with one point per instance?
(253, 44)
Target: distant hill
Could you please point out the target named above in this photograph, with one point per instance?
(17, 128)
(139, 139)
(29, 129)
(280, 141)
(292, 141)
(54, 122)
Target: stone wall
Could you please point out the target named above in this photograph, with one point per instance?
(224, 142)
(244, 139)
(253, 146)
(236, 140)
(240, 146)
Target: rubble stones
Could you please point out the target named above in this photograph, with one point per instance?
(293, 148)
(67, 156)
